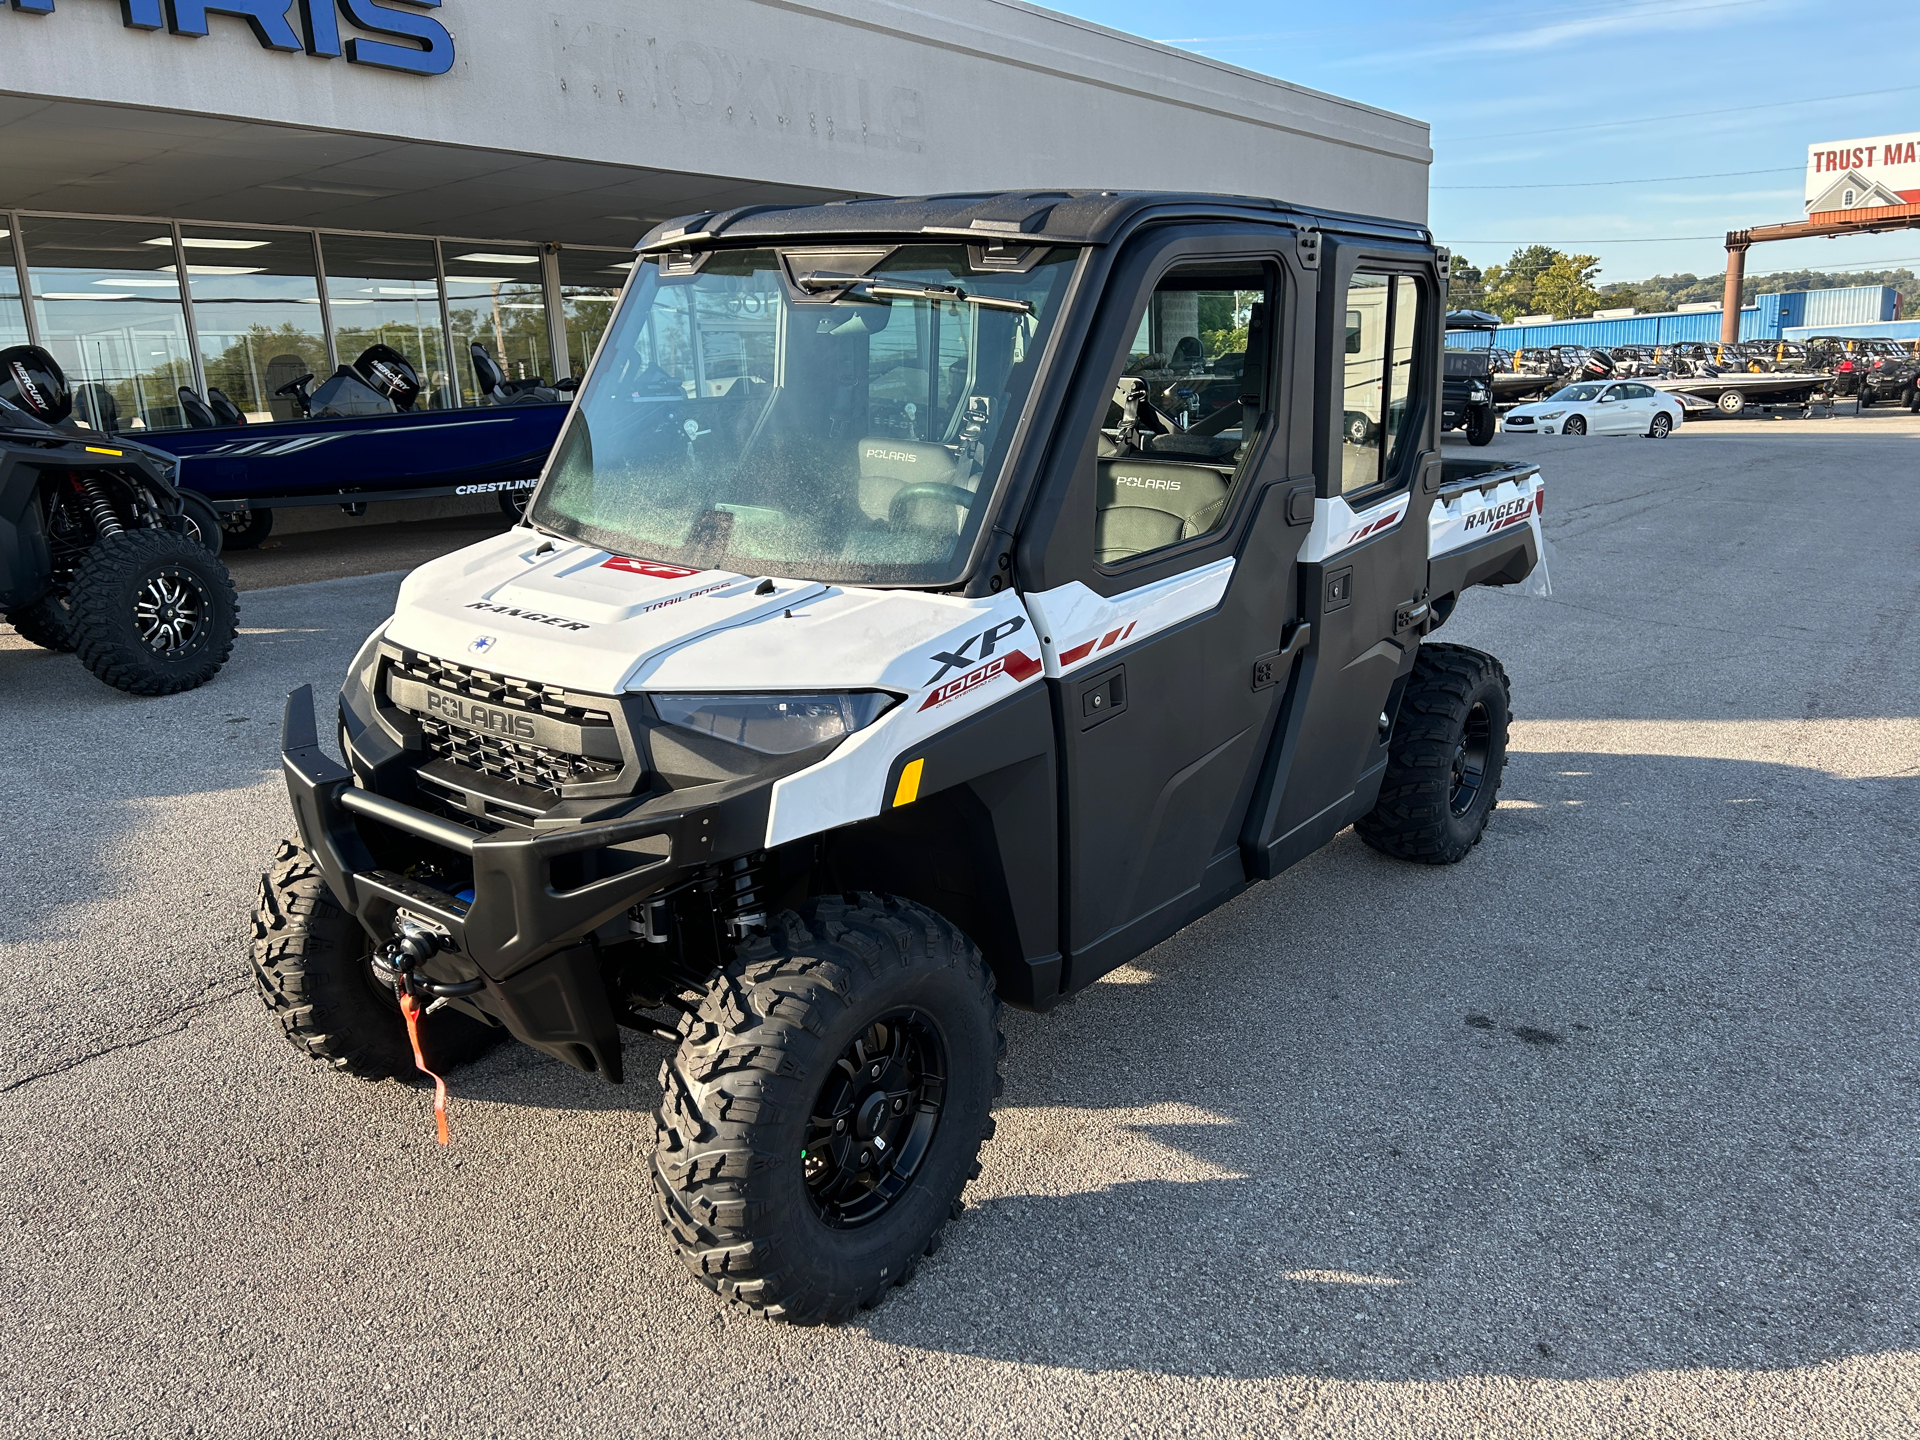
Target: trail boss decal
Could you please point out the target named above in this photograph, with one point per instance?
(532, 617)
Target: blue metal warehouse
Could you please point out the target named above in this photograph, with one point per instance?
(1858, 309)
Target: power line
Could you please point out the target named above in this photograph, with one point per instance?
(1648, 180)
(1641, 240)
(1685, 115)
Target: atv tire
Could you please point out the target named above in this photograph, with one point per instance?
(1445, 759)
(1480, 425)
(153, 612)
(46, 623)
(201, 522)
(244, 529)
(310, 960)
(770, 1162)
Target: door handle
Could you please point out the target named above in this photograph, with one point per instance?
(1268, 669)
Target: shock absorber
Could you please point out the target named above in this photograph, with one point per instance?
(105, 522)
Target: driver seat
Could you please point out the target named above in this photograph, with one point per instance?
(1145, 504)
(197, 413)
(889, 465)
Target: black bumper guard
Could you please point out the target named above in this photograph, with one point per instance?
(525, 937)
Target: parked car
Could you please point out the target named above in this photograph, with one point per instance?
(1590, 407)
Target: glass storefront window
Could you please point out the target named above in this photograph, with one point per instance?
(590, 282)
(108, 305)
(256, 307)
(496, 298)
(13, 317)
(387, 292)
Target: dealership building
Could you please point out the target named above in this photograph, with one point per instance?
(232, 195)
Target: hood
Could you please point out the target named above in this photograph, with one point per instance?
(539, 608)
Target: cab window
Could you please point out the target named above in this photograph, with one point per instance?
(1192, 397)
(1378, 415)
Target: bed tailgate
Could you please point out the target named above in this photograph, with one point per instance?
(1484, 529)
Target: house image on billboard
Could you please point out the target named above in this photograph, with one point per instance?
(1854, 191)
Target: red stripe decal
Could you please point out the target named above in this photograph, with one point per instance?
(1079, 652)
(1016, 663)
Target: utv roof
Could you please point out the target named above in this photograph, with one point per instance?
(1025, 217)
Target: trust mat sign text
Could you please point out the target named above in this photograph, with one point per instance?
(1864, 174)
(427, 47)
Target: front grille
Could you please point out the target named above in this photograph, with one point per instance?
(519, 762)
(483, 685)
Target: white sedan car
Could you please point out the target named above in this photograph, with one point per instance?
(1598, 407)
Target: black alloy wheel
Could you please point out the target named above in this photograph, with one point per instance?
(153, 612)
(201, 522)
(875, 1117)
(1470, 760)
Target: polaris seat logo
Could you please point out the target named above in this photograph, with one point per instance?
(479, 717)
(1143, 482)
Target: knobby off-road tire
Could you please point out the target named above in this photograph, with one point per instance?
(1481, 426)
(153, 612)
(1445, 759)
(747, 1157)
(310, 962)
(45, 623)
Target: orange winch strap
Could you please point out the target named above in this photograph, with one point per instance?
(410, 1007)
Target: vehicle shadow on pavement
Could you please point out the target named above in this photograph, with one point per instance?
(1633, 1087)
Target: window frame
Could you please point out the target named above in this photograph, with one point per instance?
(1188, 553)
(1345, 259)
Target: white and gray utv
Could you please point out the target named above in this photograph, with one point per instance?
(930, 604)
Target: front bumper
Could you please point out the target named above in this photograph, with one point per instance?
(526, 933)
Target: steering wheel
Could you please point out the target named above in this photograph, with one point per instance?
(292, 387)
(926, 490)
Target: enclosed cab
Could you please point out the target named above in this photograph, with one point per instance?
(930, 604)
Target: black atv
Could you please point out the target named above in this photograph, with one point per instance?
(100, 553)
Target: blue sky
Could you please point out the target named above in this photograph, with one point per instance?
(1534, 95)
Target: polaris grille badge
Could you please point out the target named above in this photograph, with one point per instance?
(481, 644)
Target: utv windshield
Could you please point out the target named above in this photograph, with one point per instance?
(833, 416)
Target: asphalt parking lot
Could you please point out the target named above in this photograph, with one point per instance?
(1608, 1131)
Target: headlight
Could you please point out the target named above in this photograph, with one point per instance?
(774, 724)
(1478, 392)
(1548, 414)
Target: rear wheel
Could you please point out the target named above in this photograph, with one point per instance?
(153, 612)
(1445, 760)
(202, 521)
(514, 503)
(244, 529)
(1662, 425)
(1576, 425)
(46, 623)
(311, 961)
(1731, 402)
(825, 1107)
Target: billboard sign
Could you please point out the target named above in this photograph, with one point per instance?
(1864, 174)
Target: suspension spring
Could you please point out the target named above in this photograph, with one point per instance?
(105, 522)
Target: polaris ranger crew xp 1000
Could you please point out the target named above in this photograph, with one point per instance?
(882, 645)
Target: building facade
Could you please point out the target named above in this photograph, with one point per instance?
(234, 195)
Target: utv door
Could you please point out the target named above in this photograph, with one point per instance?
(1363, 568)
(1158, 568)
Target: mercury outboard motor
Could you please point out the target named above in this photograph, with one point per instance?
(32, 380)
(390, 374)
(381, 382)
(1598, 366)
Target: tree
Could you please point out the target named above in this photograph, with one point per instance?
(1466, 286)
(1565, 288)
(1510, 286)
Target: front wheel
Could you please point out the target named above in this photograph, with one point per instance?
(201, 522)
(1731, 402)
(1480, 425)
(244, 529)
(47, 623)
(1865, 398)
(153, 612)
(313, 964)
(1445, 759)
(1662, 425)
(826, 1106)
(1576, 425)
(514, 503)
